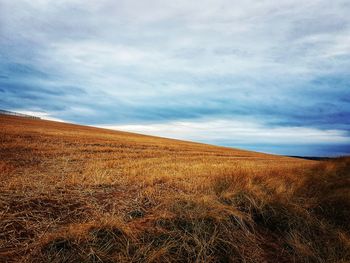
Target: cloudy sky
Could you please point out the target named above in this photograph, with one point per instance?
(271, 76)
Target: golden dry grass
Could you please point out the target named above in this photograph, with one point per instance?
(71, 193)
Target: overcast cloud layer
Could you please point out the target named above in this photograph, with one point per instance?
(270, 76)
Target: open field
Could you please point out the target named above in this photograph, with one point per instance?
(71, 193)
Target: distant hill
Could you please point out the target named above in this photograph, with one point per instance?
(311, 157)
(12, 113)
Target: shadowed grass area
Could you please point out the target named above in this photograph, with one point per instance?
(70, 193)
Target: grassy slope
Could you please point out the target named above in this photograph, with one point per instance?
(71, 193)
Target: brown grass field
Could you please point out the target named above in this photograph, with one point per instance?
(70, 193)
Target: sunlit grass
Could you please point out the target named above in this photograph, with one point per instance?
(79, 194)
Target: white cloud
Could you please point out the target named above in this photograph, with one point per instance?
(231, 132)
(40, 114)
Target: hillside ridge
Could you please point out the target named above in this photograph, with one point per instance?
(72, 193)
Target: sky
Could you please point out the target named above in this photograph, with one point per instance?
(270, 76)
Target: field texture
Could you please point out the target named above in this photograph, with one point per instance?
(71, 193)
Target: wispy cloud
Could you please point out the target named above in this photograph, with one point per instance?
(278, 64)
(245, 133)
